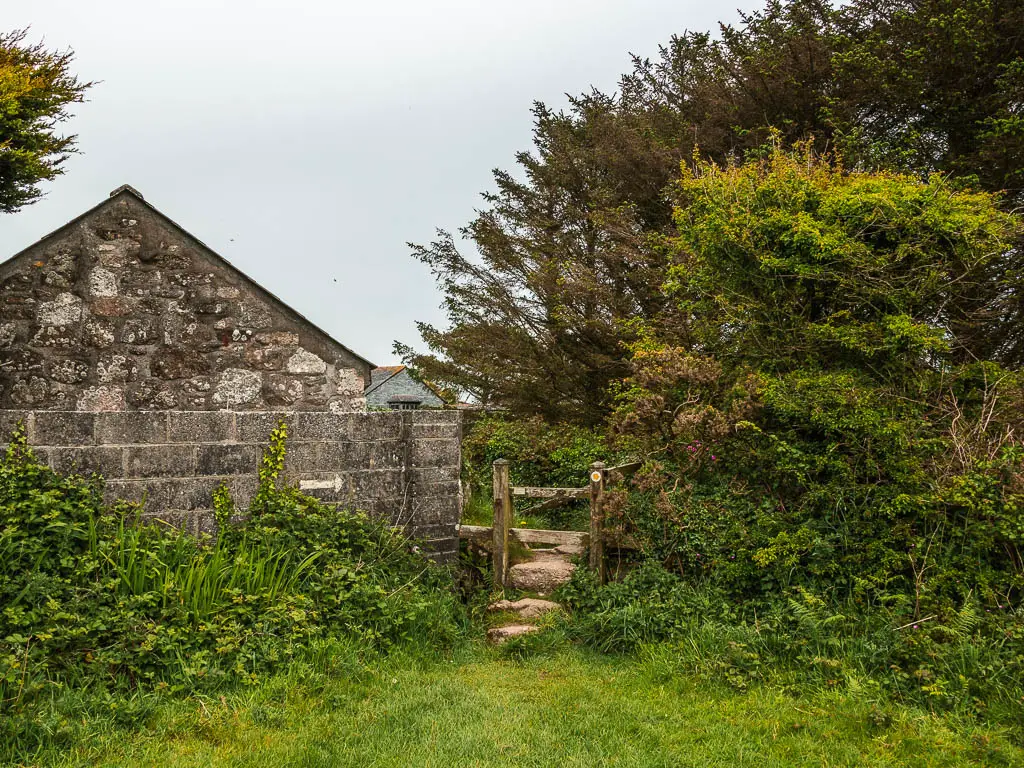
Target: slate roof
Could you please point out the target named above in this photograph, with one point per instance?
(381, 374)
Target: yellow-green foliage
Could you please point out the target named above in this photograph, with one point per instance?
(791, 260)
(823, 416)
(36, 89)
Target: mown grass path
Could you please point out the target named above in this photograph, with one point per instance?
(568, 709)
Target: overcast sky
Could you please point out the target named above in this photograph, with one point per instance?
(308, 141)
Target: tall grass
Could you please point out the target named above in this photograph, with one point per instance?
(968, 661)
(201, 579)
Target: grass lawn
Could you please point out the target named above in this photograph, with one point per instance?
(566, 709)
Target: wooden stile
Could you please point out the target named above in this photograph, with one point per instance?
(500, 533)
(483, 535)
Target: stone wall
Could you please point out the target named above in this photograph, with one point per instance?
(121, 309)
(401, 465)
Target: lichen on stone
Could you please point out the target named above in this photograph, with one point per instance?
(304, 361)
(66, 309)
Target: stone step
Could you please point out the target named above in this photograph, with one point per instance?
(501, 634)
(527, 608)
(541, 576)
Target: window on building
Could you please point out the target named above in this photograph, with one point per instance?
(404, 405)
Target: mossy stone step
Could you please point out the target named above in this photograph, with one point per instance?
(542, 576)
(501, 634)
(527, 607)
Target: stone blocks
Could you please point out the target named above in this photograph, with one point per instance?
(402, 466)
(322, 425)
(60, 428)
(255, 427)
(131, 428)
(227, 459)
(200, 426)
(103, 460)
(160, 461)
(435, 452)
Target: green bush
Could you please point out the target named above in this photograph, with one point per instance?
(824, 410)
(650, 605)
(92, 596)
(540, 454)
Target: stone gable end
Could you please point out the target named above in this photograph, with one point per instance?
(122, 310)
(402, 385)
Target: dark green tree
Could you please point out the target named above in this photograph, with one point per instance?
(36, 89)
(933, 85)
(535, 318)
(570, 249)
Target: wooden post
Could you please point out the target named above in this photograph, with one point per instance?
(502, 521)
(597, 519)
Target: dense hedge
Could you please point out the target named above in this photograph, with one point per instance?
(822, 419)
(833, 484)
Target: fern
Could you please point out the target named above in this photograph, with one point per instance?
(965, 621)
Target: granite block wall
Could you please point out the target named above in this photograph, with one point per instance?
(399, 465)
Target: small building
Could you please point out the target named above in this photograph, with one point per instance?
(393, 387)
(121, 309)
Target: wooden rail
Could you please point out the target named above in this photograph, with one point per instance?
(625, 469)
(550, 493)
(483, 534)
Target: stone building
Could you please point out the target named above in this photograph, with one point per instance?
(392, 387)
(122, 309)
